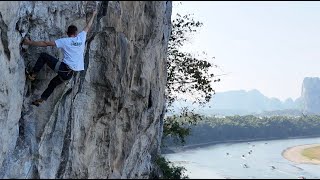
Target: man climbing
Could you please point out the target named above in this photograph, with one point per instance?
(73, 60)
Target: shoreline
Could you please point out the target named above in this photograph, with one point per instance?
(169, 150)
(293, 154)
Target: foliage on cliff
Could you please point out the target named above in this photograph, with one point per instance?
(188, 76)
(169, 170)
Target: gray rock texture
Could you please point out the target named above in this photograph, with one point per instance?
(106, 122)
(310, 95)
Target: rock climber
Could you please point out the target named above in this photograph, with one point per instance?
(73, 57)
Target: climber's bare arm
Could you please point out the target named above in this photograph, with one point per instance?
(89, 23)
(27, 41)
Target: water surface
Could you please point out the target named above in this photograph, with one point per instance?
(253, 160)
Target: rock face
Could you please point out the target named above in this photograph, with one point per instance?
(106, 122)
(310, 95)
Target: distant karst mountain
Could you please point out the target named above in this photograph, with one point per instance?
(310, 95)
(248, 102)
(241, 102)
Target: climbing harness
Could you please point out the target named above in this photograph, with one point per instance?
(57, 67)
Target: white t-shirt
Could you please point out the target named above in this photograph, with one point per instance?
(73, 50)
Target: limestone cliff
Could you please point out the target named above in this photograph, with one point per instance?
(106, 122)
(310, 95)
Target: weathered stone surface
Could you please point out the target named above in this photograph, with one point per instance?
(106, 122)
(310, 95)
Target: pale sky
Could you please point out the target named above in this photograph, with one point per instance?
(265, 45)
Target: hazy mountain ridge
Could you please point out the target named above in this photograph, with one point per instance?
(241, 102)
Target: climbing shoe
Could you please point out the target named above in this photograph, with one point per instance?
(30, 76)
(37, 102)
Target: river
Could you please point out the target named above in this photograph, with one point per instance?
(246, 160)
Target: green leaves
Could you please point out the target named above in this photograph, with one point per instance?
(187, 74)
(169, 170)
(178, 126)
(180, 28)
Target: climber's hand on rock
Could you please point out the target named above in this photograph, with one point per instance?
(95, 12)
(26, 41)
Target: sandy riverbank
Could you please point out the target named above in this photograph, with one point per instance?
(294, 154)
